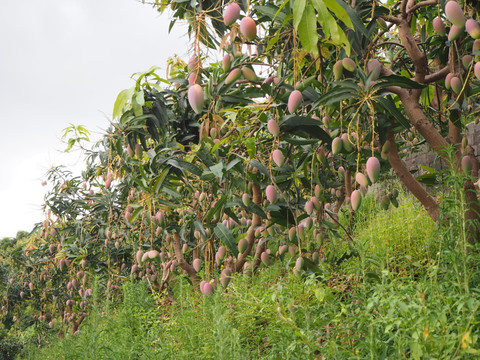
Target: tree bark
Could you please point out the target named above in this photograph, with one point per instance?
(182, 262)
(410, 182)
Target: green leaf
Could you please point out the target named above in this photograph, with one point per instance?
(226, 237)
(251, 147)
(400, 81)
(307, 30)
(298, 9)
(339, 12)
(257, 164)
(215, 209)
(217, 170)
(122, 99)
(389, 105)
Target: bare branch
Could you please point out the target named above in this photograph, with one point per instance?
(420, 4)
(440, 74)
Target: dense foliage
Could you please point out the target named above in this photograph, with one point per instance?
(227, 165)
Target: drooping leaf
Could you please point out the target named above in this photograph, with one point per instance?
(226, 237)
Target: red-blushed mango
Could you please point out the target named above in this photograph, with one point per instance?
(226, 62)
(349, 64)
(309, 207)
(197, 264)
(466, 61)
(278, 157)
(265, 258)
(456, 84)
(225, 277)
(207, 289)
(454, 14)
(221, 252)
(373, 168)
(242, 245)
(139, 256)
(316, 203)
(454, 33)
(249, 74)
(195, 98)
(473, 28)
(231, 14)
(374, 66)
(317, 191)
(152, 254)
(292, 234)
(476, 70)
(233, 76)
(338, 70)
(273, 127)
(193, 78)
(194, 63)
(467, 165)
(248, 28)
(294, 100)
(476, 45)
(282, 249)
(202, 284)
(355, 199)
(271, 193)
(337, 145)
(301, 231)
(31, 286)
(448, 79)
(439, 26)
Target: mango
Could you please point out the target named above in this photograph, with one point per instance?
(242, 245)
(476, 70)
(196, 98)
(194, 63)
(271, 193)
(338, 70)
(248, 28)
(231, 14)
(456, 84)
(246, 199)
(337, 145)
(233, 76)
(454, 14)
(373, 169)
(467, 165)
(309, 207)
(473, 28)
(227, 62)
(273, 127)
(355, 199)
(347, 143)
(349, 64)
(439, 26)
(292, 234)
(299, 263)
(225, 277)
(374, 66)
(197, 264)
(249, 74)
(454, 33)
(278, 157)
(448, 79)
(294, 101)
(265, 258)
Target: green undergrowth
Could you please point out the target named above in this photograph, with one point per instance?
(401, 295)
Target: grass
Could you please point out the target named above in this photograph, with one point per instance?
(401, 298)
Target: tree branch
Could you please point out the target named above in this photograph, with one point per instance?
(439, 75)
(409, 181)
(420, 4)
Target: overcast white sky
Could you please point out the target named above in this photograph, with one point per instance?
(61, 62)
